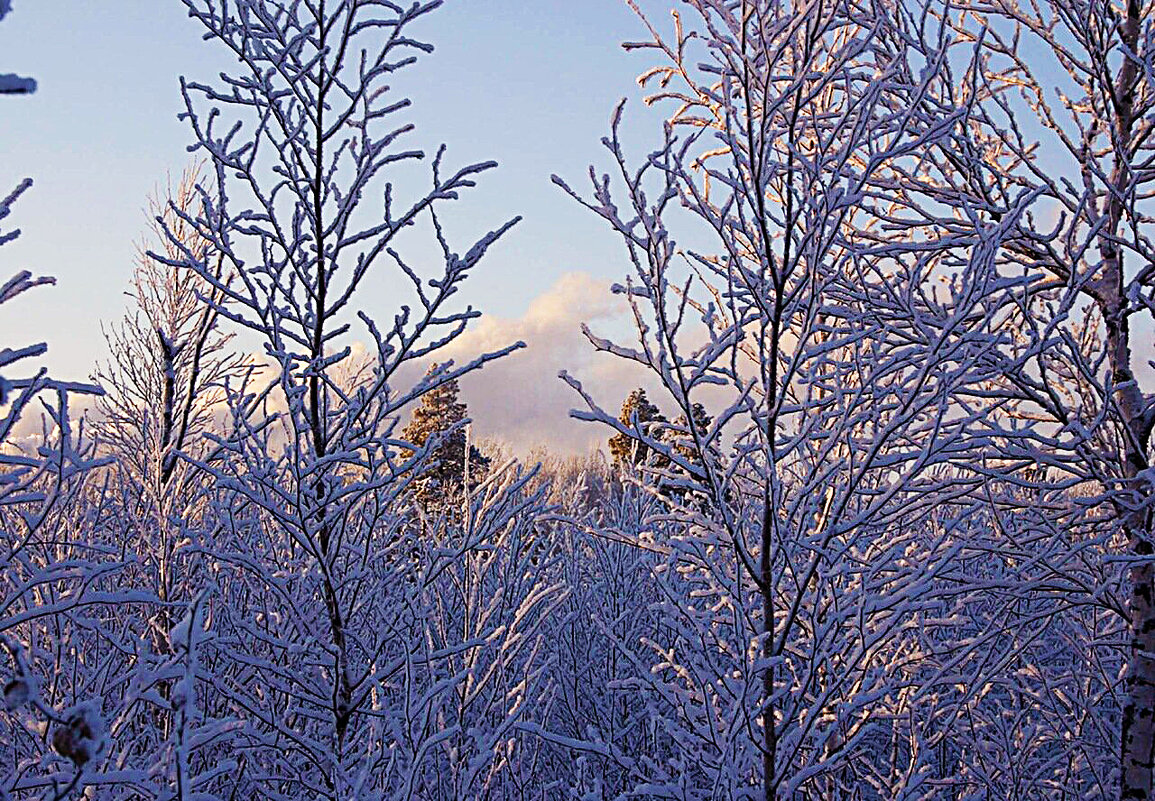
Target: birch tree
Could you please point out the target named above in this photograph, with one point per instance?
(840, 368)
(1061, 126)
(164, 382)
(54, 580)
(329, 641)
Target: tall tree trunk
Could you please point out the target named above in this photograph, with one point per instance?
(769, 677)
(1137, 735)
(1137, 740)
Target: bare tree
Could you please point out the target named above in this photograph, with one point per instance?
(1056, 152)
(164, 382)
(841, 369)
(330, 640)
(53, 579)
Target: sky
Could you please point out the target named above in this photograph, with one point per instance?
(528, 83)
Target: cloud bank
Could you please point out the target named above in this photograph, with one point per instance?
(519, 399)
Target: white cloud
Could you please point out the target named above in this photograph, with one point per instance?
(519, 399)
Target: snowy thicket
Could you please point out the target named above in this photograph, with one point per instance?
(923, 567)
(1076, 395)
(879, 528)
(58, 574)
(846, 371)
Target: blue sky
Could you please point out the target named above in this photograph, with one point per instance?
(530, 83)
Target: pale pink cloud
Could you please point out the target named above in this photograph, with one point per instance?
(519, 399)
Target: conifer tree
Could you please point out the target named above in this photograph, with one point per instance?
(701, 421)
(443, 415)
(684, 485)
(637, 413)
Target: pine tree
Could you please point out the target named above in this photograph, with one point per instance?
(685, 439)
(687, 447)
(442, 414)
(639, 413)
